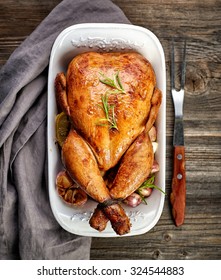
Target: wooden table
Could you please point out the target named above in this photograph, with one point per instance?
(199, 21)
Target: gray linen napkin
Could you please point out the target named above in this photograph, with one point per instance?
(28, 229)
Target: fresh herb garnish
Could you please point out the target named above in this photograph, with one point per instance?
(113, 83)
(108, 109)
(149, 183)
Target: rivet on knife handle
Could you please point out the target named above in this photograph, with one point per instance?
(178, 194)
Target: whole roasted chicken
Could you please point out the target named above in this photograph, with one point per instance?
(112, 102)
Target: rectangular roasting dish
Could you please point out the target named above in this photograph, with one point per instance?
(81, 38)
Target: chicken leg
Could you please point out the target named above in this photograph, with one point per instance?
(82, 166)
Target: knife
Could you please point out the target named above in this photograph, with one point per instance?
(178, 194)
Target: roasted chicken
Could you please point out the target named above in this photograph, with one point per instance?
(112, 102)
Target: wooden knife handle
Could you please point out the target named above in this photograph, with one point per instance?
(178, 194)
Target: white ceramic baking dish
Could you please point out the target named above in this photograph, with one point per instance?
(105, 38)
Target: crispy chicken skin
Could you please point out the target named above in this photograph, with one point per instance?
(115, 213)
(82, 167)
(84, 91)
(91, 149)
(136, 165)
(98, 220)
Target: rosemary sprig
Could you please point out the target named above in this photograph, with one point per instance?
(113, 83)
(106, 107)
(149, 183)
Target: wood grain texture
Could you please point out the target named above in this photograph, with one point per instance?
(199, 22)
(178, 194)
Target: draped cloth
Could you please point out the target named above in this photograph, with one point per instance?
(28, 229)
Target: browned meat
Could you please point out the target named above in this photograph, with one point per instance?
(82, 167)
(155, 105)
(119, 221)
(135, 167)
(61, 96)
(84, 91)
(98, 220)
(109, 127)
(113, 212)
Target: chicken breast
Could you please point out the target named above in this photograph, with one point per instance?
(131, 109)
